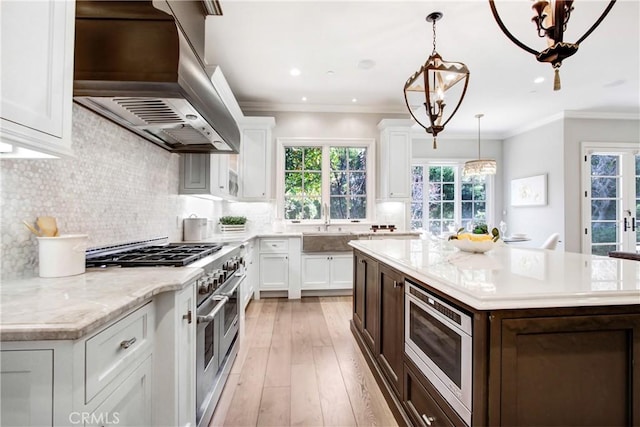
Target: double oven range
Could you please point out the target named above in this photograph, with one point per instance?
(218, 303)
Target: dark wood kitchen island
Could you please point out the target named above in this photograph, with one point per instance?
(552, 336)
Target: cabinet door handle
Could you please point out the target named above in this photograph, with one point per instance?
(633, 224)
(397, 284)
(363, 261)
(127, 343)
(428, 420)
(187, 317)
(625, 224)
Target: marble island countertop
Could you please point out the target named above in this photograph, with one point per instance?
(512, 278)
(70, 307)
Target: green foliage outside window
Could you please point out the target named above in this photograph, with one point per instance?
(303, 182)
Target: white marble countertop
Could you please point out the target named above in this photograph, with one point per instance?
(509, 277)
(241, 237)
(70, 307)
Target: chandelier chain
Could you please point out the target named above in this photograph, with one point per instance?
(434, 38)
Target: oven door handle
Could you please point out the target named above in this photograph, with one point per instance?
(212, 314)
(228, 294)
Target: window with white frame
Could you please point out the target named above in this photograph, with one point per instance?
(318, 175)
(442, 200)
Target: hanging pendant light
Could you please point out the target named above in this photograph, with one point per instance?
(551, 19)
(480, 166)
(425, 90)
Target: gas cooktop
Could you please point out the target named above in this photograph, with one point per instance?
(174, 254)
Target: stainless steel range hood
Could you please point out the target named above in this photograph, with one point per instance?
(134, 65)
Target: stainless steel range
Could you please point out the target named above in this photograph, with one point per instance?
(218, 303)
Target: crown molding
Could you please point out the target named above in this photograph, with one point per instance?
(319, 108)
(602, 115)
(534, 125)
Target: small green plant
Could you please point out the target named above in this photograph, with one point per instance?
(233, 220)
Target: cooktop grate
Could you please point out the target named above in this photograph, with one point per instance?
(175, 254)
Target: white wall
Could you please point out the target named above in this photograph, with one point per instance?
(587, 130)
(535, 152)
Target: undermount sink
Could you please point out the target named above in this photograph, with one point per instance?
(319, 241)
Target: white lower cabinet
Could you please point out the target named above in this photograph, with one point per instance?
(129, 404)
(274, 272)
(26, 381)
(138, 370)
(279, 266)
(251, 271)
(327, 271)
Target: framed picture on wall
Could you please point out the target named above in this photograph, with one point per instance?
(530, 191)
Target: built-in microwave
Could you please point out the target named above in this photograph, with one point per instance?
(438, 341)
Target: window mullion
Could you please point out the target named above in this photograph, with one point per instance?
(326, 179)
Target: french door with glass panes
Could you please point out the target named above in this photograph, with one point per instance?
(611, 194)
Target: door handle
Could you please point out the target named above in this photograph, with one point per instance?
(187, 317)
(625, 224)
(633, 224)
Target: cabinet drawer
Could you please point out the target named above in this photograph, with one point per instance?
(111, 351)
(422, 408)
(271, 245)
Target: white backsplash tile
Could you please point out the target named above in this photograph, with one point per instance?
(118, 188)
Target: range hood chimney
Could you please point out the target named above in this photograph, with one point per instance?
(134, 65)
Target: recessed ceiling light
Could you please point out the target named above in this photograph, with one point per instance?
(330, 73)
(538, 80)
(304, 98)
(354, 100)
(294, 72)
(366, 64)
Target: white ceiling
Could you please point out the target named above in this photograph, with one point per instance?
(256, 43)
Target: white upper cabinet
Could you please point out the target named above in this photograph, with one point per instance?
(255, 158)
(394, 165)
(37, 76)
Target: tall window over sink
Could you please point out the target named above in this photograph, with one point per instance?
(442, 200)
(325, 180)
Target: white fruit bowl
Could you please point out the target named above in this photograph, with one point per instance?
(475, 247)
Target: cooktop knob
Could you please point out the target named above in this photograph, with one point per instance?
(203, 286)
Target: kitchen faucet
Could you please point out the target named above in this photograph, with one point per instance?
(327, 219)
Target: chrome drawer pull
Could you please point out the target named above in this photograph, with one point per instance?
(428, 420)
(127, 343)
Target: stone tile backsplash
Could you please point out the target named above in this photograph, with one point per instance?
(118, 188)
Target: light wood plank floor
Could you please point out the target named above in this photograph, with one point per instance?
(299, 365)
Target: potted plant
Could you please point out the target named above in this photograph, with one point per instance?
(232, 224)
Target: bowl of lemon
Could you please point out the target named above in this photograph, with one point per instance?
(478, 241)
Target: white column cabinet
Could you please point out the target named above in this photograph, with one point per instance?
(255, 158)
(394, 165)
(327, 271)
(175, 364)
(37, 75)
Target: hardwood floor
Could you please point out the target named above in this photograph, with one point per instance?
(299, 365)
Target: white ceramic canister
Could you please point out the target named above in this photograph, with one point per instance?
(62, 256)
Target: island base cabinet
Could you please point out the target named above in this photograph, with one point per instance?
(420, 405)
(570, 371)
(26, 382)
(391, 326)
(365, 298)
(130, 404)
